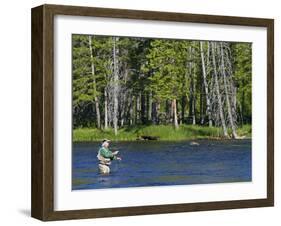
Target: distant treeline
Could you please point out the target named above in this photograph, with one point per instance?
(120, 81)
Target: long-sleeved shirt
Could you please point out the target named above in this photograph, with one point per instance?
(106, 153)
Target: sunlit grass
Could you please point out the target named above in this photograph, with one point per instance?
(245, 130)
(163, 132)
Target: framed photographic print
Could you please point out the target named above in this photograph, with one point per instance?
(141, 112)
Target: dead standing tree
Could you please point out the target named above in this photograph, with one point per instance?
(217, 88)
(192, 87)
(208, 110)
(226, 89)
(94, 82)
(115, 84)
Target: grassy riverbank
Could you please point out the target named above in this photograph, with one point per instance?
(164, 132)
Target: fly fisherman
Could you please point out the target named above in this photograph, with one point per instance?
(105, 156)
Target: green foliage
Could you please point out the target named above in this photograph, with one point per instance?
(151, 73)
(167, 61)
(242, 57)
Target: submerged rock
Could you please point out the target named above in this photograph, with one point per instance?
(193, 143)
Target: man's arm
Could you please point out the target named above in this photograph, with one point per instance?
(107, 153)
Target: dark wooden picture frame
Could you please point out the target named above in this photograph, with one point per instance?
(42, 203)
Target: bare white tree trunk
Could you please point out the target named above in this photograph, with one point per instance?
(105, 110)
(94, 82)
(232, 87)
(138, 108)
(192, 88)
(131, 111)
(156, 111)
(115, 85)
(234, 134)
(193, 99)
(175, 116)
(218, 90)
(205, 84)
(149, 110)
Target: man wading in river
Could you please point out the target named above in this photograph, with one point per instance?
(105, 156)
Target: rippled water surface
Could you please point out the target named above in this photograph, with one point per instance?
(155, 163)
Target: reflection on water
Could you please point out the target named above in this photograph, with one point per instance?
(158, 163)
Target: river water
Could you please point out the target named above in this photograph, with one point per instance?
(157, 163)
